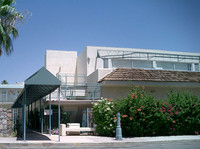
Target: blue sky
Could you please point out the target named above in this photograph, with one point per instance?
(172, 25)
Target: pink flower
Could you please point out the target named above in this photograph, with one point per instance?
(170, 110)
(173, 129)
(196, 133)
(173, 121)
(134, 95)
(130, 118)
(124, 115)
(171, 105)
(176, 112)
(138, 109)
(166, 103)
(110, 99)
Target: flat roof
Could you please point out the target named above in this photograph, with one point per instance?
(13, 86)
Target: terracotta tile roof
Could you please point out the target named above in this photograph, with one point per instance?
(125, 74)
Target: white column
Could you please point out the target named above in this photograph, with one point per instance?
(192, 67)
(154, 64)
(109, 63)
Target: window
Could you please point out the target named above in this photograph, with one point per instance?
(142, 64)
(166, 65)
(183, 66)
(3, 95)
(121, 63)
(196, 67)
(131, 64)
(174, 66)
(105, 63)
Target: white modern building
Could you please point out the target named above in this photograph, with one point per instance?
(111, 72)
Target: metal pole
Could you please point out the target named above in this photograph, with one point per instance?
(40, 116)
(50, 114)
(118, 129)
(87, 115)
(35, 115)
(13, 120)
(59, 114)
(28, 118)
(42, 110)
(24, 115)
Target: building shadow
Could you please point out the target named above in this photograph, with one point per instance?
(33, 136)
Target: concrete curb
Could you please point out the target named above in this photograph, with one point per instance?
(94, 140)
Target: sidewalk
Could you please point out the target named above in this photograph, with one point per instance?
(53, 139)
(99, 139)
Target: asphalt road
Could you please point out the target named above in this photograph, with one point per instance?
(194, 144)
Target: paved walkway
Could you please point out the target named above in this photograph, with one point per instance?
(35, 137)
(99, 139)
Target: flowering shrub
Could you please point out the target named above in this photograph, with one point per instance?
(184, 112)
(104, 117)
(54, 131)
(143, 115)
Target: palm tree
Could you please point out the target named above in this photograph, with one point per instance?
(9, 21)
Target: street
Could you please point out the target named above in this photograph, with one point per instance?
(186, 144)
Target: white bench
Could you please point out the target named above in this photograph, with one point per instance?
(74, 128)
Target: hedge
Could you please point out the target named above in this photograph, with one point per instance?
(143, 115)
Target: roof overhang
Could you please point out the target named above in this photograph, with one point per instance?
(36, 87)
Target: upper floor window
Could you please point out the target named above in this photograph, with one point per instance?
(121, 63)
(142, 64)
(174, 66)
(183, 66)
(3, 95)
(196, 67)
(105, 63)
(165, 65)
(131, 64)
(148, 64)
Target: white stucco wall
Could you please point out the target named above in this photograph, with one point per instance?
(159, 92)
(82, 63)
(98, 74)
(65, 61)
(88, 61)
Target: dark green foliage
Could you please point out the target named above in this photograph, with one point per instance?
(4, 82)
(143, 115)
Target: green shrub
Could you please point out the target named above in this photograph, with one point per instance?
(105, 117)
(142, 115)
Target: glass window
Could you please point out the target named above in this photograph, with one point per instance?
(142, 64)
(105, 63)
(166, 65)
(3, 95)
(196, 67)
(183, 66)
(121, 63)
